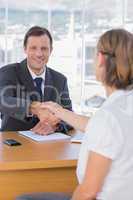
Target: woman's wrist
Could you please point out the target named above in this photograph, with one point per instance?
(59, 111)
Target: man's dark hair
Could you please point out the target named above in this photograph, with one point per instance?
(37, 31)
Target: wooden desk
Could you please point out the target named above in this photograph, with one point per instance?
(36, 167)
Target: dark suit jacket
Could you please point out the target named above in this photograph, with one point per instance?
(17, 91)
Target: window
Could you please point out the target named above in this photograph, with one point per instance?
(75, 27)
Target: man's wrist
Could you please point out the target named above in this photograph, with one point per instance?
(33, 108)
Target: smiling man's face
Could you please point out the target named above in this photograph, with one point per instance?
(38, 50)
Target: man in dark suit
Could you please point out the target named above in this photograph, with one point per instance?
(31, 80)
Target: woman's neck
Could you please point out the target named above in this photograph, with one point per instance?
(109, 90)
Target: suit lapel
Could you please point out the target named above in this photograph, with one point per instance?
(26, 79)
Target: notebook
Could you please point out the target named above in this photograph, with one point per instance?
(39, 138)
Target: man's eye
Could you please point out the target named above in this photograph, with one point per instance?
(33, 48)
(44, 48)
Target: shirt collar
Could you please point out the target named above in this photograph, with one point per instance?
(37, 76)
(113, 96)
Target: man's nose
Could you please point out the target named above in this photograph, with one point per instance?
(39, 52)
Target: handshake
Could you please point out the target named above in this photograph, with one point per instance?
(48, 114)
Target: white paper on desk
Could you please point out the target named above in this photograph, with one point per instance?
(36, 137)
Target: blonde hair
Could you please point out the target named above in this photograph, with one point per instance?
(117, 46)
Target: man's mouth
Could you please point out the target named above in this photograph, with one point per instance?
(39, 60)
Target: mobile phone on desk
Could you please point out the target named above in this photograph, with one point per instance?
(11, 142)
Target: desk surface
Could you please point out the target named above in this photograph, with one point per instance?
(31, 154)
(36, 166)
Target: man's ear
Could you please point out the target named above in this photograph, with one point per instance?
(51, 49)
(101, 59)
(24, 49)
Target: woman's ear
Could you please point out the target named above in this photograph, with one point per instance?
(101, 59)
(100, 67)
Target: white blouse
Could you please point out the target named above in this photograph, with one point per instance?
(110, 133)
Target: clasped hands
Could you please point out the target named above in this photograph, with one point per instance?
(48, 120)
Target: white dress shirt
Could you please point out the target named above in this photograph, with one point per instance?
(110, 133)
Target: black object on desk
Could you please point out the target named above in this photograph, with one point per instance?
(11, 142)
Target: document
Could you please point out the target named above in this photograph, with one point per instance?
(78, 137)
(39, 138)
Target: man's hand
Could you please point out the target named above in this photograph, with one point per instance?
(43, 114)
(44, 128)
(48, 121)
(47, 116)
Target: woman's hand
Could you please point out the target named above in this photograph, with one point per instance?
(53, 107)
(77, 121)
